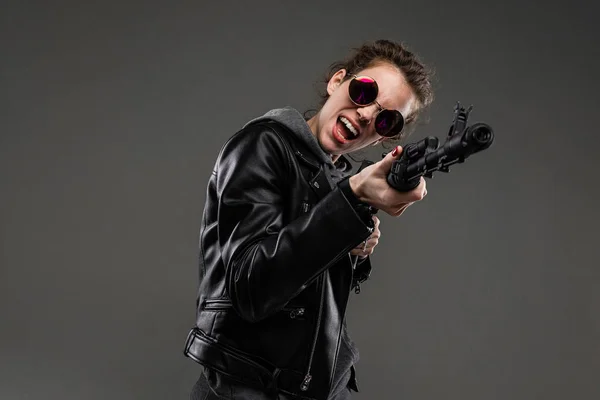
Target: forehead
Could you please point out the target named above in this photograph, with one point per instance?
(394, 92)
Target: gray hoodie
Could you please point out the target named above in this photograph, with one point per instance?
(295, 122)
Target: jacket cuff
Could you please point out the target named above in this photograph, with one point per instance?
(363, 210)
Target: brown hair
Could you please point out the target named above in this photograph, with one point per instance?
(416, 74)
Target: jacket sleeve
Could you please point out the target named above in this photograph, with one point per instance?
(269, 261)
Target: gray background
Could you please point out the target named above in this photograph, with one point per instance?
(113, 114)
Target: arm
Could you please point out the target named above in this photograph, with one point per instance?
(269, 260)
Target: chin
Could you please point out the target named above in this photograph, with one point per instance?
(331, 146)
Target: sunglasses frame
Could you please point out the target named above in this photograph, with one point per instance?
(379, 107)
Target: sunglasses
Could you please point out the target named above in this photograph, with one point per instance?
(363, 91)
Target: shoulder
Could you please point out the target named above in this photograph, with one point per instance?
(256, 143)
(263, 132)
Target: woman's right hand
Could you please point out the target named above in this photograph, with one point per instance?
(371, 187)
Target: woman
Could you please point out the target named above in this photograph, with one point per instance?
(287, 233)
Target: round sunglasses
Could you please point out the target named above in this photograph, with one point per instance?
(363, 91)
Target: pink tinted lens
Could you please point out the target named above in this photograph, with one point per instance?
(363, 90)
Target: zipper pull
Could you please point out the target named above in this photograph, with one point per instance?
(306, 383)
(296, 313)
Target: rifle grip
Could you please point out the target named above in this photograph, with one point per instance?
(394, 178)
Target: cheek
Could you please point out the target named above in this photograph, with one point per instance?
(371, 136)
(329, 119)
(337, 102)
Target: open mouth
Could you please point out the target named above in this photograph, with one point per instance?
(345, 130)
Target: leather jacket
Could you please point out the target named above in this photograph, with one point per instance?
(275, 268)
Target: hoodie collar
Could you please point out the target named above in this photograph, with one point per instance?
(295, 122)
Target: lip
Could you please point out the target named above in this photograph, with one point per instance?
(340, 139)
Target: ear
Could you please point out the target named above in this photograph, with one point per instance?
(335, 81)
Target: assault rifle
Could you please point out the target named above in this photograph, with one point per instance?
(425, 157)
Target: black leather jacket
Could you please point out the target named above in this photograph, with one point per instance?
(275, 269)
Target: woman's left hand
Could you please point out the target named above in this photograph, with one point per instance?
(366, 248)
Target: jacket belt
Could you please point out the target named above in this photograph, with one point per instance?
(259, 374)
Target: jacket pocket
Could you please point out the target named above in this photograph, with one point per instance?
(293, 312)
(216, 304)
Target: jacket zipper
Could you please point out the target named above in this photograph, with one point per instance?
(305, 207)
(341, 328)
(306, 160)
(308, 377)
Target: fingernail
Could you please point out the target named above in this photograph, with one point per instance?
(395, 151)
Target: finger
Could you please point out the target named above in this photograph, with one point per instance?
(359, 252)
(376, 221)
(403, 208)
(386, 163)
(371, 242)
(419, 192)
(368, 252)
(358, 249)
(362, 253)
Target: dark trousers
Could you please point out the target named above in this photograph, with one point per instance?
(213, 386)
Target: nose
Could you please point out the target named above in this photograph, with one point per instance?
(367, 114)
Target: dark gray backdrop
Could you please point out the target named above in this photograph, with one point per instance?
(112, 116)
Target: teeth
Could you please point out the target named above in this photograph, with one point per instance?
(349, 126)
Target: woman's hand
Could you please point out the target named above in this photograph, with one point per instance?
(371, 187)
(366, 248)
